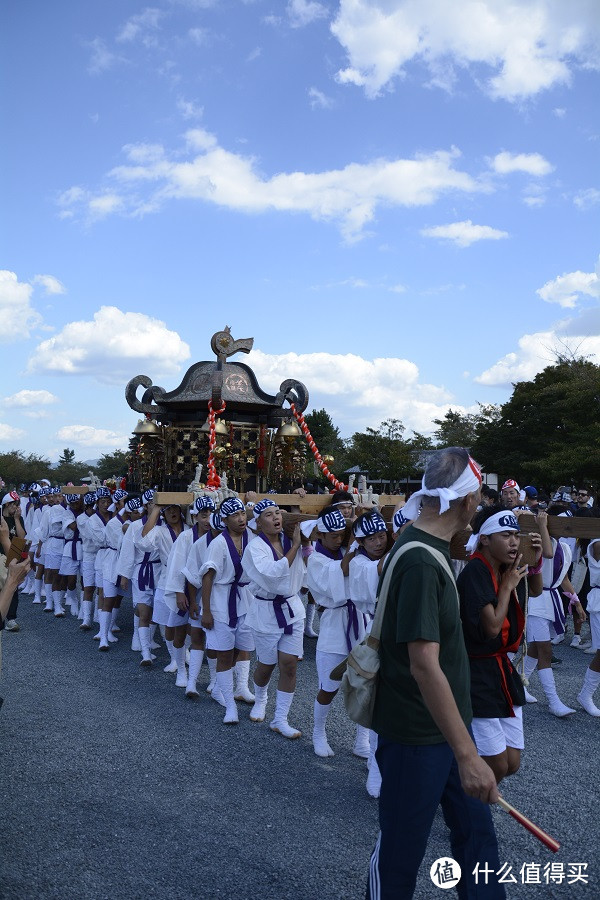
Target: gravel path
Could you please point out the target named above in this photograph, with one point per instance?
(116, 786)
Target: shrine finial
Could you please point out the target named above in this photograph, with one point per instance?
(223, 345)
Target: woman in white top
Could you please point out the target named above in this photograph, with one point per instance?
(275, 571)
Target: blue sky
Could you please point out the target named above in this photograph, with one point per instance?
(398, 200)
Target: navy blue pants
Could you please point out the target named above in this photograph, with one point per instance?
(415, 781)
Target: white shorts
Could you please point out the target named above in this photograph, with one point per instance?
(595, 629)
(138, 596)
(110, 588)
(493, 736)
(325, 663)
(160, 610)
(88, 574)
(222, 637)
(52, 560)
(268, 645)
(539, 629)
(69, 566)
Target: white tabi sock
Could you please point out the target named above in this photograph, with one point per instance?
(225, 684)
(113, 618)
(104, 626)
(261, 695)
(37, 590)
(320, 744)
(280, 722)
(181, 680)
(57, 599)
(529, 666)
(135, 640)
(196, 657)
(187, 642)
(242, 691)
(590, 683)
(48, 595)
(88, 611)
(557, 707)
(96, 617)
(73, 601)
(361, 743)
(153, 644)
(308, 622)
(212, 672)
(162, 629)
(172, 666)
(374, 776)
(144, 636)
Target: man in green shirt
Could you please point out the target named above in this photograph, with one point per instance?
(423, 710)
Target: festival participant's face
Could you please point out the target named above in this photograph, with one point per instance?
(332, 540)
(510, 498)
(236, 522)
(375, 544)
(103, 504)
(346, 509)
(172, 515)
(503, 546)
(582, 498)
(9, 509)
(270, 521)
(203, 520)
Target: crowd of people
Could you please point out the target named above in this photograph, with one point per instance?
(224, 585)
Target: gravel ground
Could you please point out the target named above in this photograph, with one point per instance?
(116, 786)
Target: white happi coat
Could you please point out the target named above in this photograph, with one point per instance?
(270, 578)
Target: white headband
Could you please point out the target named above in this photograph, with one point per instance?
(501, 521)
(467, 483)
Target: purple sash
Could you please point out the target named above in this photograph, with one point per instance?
(146, 573)
(319, 548)
(73, 541)
(559, 611)
(279, 599)
(236, 559)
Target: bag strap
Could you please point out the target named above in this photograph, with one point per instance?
(374, 636)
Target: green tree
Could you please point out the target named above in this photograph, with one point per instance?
(68, 470)
(18, 468)
(327, 438)
(116, 463)
(548, 432)
(456, 429)
(382, 451)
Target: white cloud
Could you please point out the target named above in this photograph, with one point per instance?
(17, 316)
(357, 392)
(254, 54)
(559, 112)
(189, 109)
(349, 196)
(565, 289)
(141, 26)
(50, 284)
(463, 234)
(303, 12)
(8, 433)
(587, 198)
(526, 45)
(532, 163)
(200, 36)
(535, 352)
(98, 438)
(319, 100)
(101, 59)
(113, 348)
(24, 399)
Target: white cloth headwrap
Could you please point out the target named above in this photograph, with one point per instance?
(501, 521)
(467, 483)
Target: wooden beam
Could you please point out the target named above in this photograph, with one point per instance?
(178, 498)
